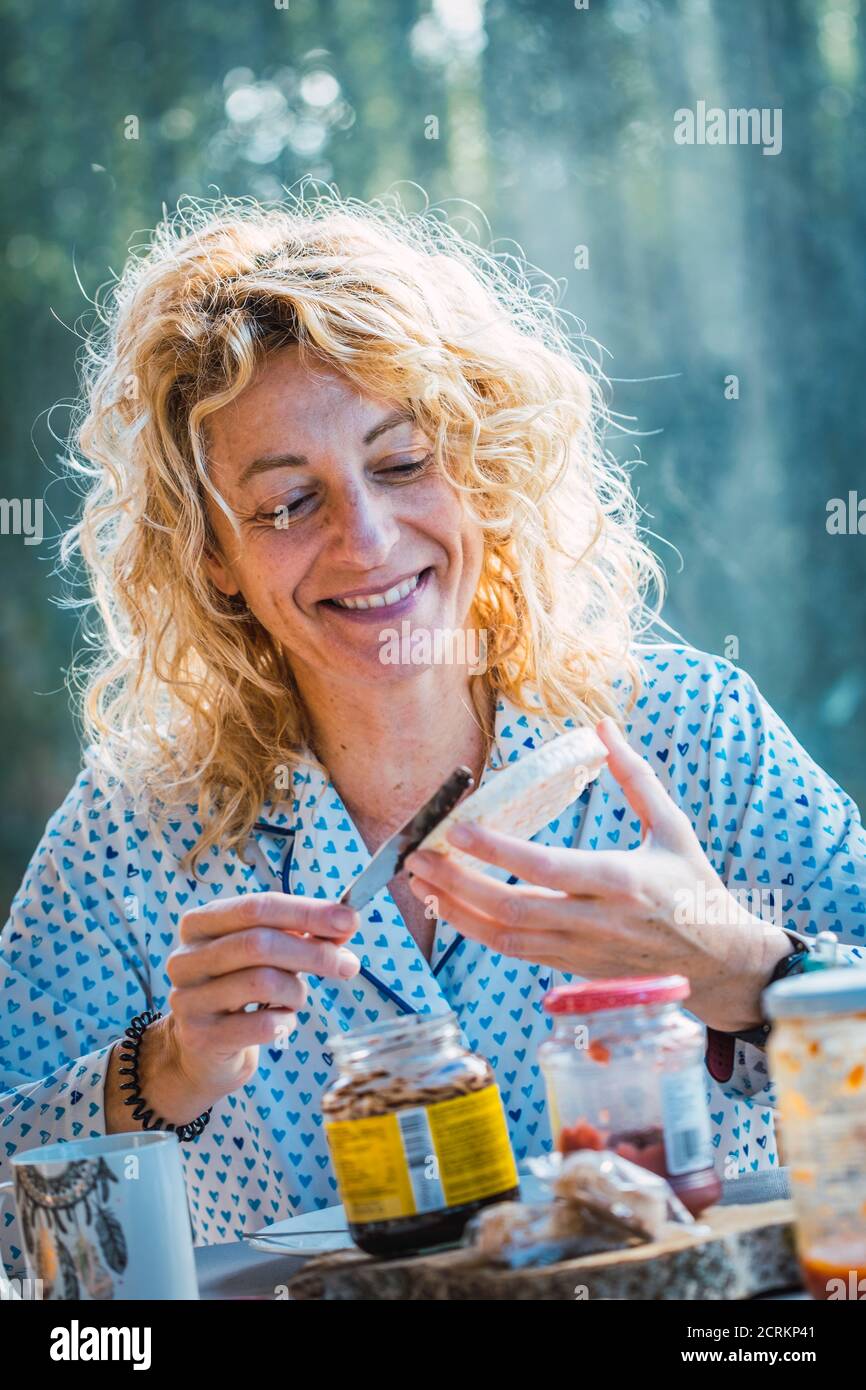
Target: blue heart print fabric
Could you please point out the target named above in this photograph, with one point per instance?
(97, 915)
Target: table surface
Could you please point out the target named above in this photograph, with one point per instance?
(234, 1270)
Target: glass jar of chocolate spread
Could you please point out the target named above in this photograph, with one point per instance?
(624, 1069)
(417, 1133)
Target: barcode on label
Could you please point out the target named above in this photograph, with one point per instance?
(421, 1159)
(686, 1122)
(417, 1139)
(685, 1147)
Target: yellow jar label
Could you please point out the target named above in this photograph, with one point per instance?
(423, 1159)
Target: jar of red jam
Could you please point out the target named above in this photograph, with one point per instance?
(624, 1069)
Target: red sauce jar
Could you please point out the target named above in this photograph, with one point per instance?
(624, 1070)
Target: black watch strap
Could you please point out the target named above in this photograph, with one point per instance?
(721, 1046)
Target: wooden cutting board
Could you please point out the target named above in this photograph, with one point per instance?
(750, 1250)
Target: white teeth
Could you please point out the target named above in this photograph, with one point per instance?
(383, 600)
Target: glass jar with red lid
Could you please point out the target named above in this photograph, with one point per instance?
(624, 1070)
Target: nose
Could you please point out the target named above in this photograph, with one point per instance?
(364, 528)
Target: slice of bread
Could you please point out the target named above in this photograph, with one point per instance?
(525, 796)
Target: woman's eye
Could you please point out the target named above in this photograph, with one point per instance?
(285, 512)
(405, 468)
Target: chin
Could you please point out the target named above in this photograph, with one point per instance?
(371, 669)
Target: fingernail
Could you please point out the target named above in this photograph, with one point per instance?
(347, 964)
(461, 834)
(344, 919)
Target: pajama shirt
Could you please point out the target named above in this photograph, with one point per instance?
(97, 916)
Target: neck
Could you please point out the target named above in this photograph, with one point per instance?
(388, 753)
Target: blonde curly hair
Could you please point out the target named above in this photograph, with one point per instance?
(187, 698)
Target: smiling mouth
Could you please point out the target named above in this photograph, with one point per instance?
(383, 598)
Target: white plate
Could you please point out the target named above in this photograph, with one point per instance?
(317, 1232)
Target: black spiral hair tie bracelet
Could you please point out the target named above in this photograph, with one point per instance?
(143, 1115)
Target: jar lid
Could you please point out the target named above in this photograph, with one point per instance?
(393, 1032)
(616, 994)
(841, 990)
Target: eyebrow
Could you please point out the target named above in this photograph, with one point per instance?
(269, 461)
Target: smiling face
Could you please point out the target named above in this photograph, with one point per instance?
(347, 525)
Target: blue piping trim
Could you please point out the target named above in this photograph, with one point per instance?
(443, 959)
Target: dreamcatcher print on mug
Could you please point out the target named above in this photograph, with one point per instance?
(69, 1229)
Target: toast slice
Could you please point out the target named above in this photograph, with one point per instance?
(527, 795)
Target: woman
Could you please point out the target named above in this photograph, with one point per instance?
(305, 428)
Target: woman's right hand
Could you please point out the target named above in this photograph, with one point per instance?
(243, 950)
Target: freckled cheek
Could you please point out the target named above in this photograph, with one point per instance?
(272, 579)
(441, 514)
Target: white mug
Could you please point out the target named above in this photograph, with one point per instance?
(105, 1218)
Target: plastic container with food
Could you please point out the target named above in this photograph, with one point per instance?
(417, 1133)
(818, 1062)
(624, 1070)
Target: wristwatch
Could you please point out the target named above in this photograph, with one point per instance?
(720, 1046)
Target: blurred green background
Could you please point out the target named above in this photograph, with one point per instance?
(703, 262)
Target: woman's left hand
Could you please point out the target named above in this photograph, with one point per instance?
(613, 912)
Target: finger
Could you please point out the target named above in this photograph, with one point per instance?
(226, 1034)
(644, 792)
(480, 890)
(537, 943)
(228, 993)
(517, 905)
(280, 910)
(579, 872)
(260, 946)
